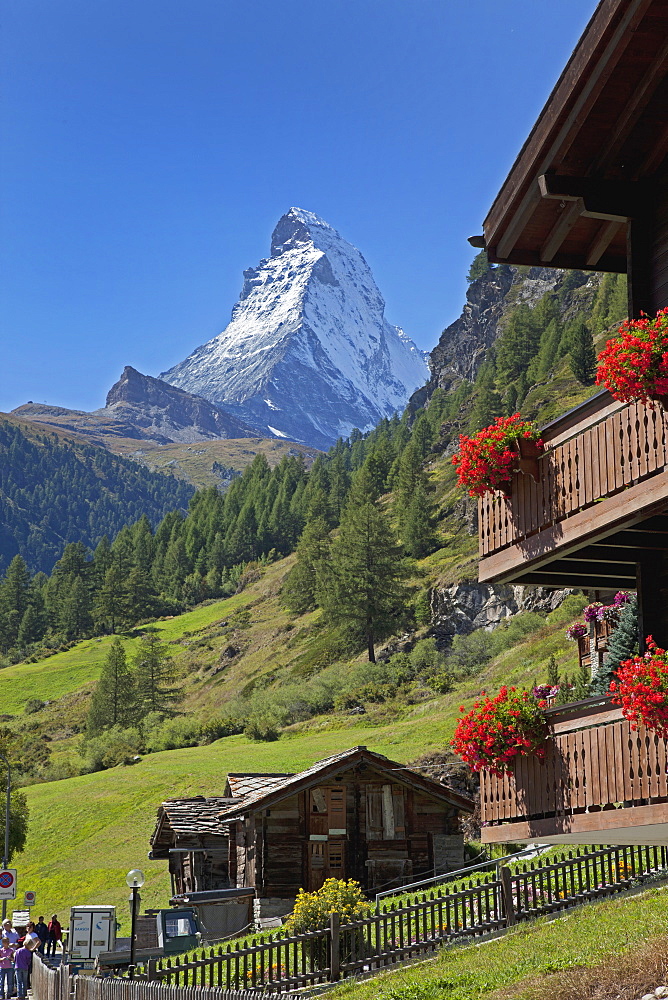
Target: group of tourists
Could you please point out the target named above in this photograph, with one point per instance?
(16, 950)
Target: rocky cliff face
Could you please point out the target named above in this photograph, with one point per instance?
(163, 412)
(308, 354)
(463, 345)
(464, 607)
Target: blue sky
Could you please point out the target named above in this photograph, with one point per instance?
(150, 146)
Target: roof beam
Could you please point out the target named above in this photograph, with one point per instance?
(567, 219)
(604, 554)
(615, 201)
(635, 106)
(600, 244)
(658, 154)
(591, 90)
(614, 263)
(556, 582)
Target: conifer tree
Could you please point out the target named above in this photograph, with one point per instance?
(31, 628)
(480, 265)
(110, 600)
(583, 355)
(114, 700)
(364, 593)
(155, 673)
(300, 589)
(552, 671)
(622, 644)
(417, 529)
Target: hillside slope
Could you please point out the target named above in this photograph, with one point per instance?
(86, 831)
(54, 490)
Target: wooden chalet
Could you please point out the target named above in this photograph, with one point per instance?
(589, 190)
(189, 835)
(356, 815)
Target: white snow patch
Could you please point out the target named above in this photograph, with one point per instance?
(277, 433)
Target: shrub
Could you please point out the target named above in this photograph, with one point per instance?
(262, 727)
(312, 909)
(112, 747)
(217, 729)
(33, 705)
(569, 608)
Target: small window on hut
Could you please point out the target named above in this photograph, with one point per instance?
(335, 857)
(385, 813)
(318, 801)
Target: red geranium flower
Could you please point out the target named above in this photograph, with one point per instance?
(498, 729)
(641, 688)
(635, 364)
(488, 459)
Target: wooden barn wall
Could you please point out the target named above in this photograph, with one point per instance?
(281, 836)
(389, 832)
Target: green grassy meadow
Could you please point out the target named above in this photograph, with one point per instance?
(87, 832)
(517, 965)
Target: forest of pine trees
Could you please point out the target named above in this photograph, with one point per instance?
(54, 492)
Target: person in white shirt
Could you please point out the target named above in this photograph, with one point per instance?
(9, 932)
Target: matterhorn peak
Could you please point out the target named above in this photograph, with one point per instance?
(308, 354)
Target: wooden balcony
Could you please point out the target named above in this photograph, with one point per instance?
(597, 509)
(601, 783)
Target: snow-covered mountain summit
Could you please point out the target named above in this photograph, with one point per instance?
(308, 353)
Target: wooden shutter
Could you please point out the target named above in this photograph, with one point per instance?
(374, 812)
(388, 813)
(398, 801)
(336, 795)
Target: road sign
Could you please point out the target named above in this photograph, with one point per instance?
(20, 917)
(8, 883)
(29, 898)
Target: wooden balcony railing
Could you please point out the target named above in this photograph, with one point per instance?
(595, 762)
(594, 452)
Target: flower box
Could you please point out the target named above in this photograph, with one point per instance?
(487, 461)
(634, 365)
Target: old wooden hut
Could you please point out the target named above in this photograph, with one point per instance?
(356, 815)
(189, 835)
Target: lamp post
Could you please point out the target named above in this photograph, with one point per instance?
(135, 879)
(5, 859)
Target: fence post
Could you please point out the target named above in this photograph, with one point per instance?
(151, 967)
(335, 951)
(507, 895)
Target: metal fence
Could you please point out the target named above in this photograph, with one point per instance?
(404, 930)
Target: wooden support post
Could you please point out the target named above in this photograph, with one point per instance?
(650, 582)
(151, 968)
(335, 947)
(639, 266)
(507, 896)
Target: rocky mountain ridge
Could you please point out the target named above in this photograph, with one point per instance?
(308, 353)
(142, 407)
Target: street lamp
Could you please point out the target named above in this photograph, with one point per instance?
(5, 860)
(135, 879)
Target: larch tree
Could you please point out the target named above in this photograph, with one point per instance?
(364, 592)
(114, 701)
(155, 673)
